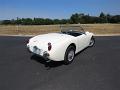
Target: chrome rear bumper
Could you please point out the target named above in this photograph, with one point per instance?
(43, 54)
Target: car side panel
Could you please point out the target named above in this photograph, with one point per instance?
(81, 42)
(88, 37)
(58, 51)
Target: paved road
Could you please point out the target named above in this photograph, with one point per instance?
(96, 68)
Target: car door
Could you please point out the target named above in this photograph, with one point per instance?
(82, 41)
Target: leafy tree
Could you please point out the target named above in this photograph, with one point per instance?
(64, 21)
(108, 18)
(6, 22)
(39, 21)
(26, 21)
(74, 19)
(13, 22)
(48, 21)
(115, 19)
(81, 18)
(18, 21)
(103, 18)
(56, 21)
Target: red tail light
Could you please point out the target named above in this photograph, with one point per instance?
(49, 46)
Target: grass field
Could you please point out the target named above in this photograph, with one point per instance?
(101, 29)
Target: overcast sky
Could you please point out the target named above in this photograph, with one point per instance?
(56, 8)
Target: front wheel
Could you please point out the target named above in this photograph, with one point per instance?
(69, 55)
(92, 42)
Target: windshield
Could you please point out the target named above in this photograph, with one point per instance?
(72, 30)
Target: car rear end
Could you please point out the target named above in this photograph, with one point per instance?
(40, 49)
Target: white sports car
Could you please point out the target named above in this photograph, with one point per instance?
(61, 46)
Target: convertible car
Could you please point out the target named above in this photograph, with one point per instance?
(61, 46)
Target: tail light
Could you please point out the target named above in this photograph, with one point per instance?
(49, 46)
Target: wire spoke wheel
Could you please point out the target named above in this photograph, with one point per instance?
(92, 41)
(71, 55)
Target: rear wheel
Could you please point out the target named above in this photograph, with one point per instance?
(69, 55)
(92, 42)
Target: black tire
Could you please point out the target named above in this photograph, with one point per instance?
(70, 50)
(92, 42)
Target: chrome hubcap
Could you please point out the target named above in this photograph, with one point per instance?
(71, 55)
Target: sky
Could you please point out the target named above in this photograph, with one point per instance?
(11, 9)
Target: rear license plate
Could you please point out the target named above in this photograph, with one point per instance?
(37, 50)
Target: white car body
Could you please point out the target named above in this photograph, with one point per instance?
(60, 42)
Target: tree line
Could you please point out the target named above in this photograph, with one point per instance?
(74, 19)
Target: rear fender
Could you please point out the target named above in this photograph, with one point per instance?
(59, 50)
